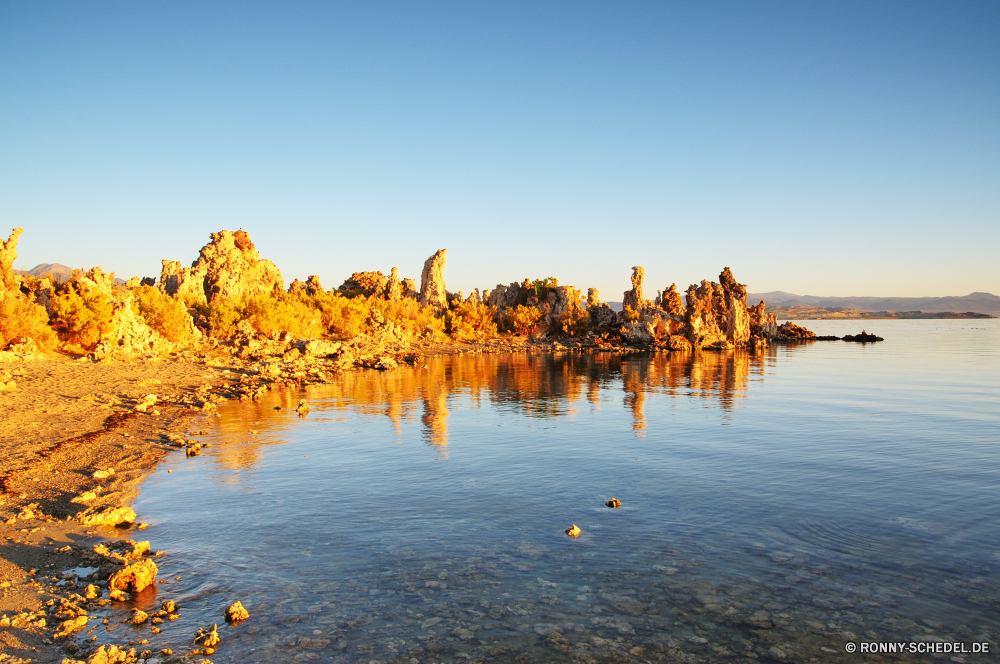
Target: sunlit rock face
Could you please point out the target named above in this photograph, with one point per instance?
(228, 267)
(432, 290)
(633, 298)
(9, 282)
(737, 317)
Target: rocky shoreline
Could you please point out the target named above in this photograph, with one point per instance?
(83, 427)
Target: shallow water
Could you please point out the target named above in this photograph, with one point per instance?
(774, 507)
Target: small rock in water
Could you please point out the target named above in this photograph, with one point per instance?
(139, 617)
(236, 613)
(573, 531)
(864, 337)
(302, 408)
(194, 450)
(134, 577)
(613, 503)
(169, 606)
(208, 637)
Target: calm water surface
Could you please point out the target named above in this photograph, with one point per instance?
(774, 507)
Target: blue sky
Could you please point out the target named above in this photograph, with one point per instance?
(821, 148)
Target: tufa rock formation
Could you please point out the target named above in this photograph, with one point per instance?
(432, 291)
(313, 286)
(737, 318)
(763, 325)
(310, 287)
(715, 316)
(364, 283)
(705, 308)
(633, 298)
(671, 301)
(393, 288)
(228, 266)
(9, 282)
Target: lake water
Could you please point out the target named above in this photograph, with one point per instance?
(774, 507)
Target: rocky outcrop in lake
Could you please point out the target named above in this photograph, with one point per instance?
(247, 307)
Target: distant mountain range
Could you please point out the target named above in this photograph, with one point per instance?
(984, 303)
(58, 271)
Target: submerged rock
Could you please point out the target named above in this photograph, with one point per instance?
(208, 636)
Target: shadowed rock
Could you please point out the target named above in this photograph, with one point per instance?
(737, 318)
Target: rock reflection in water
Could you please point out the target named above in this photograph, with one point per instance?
(533, 385)
(747, 542)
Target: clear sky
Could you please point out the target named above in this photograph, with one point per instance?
(819, 148)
